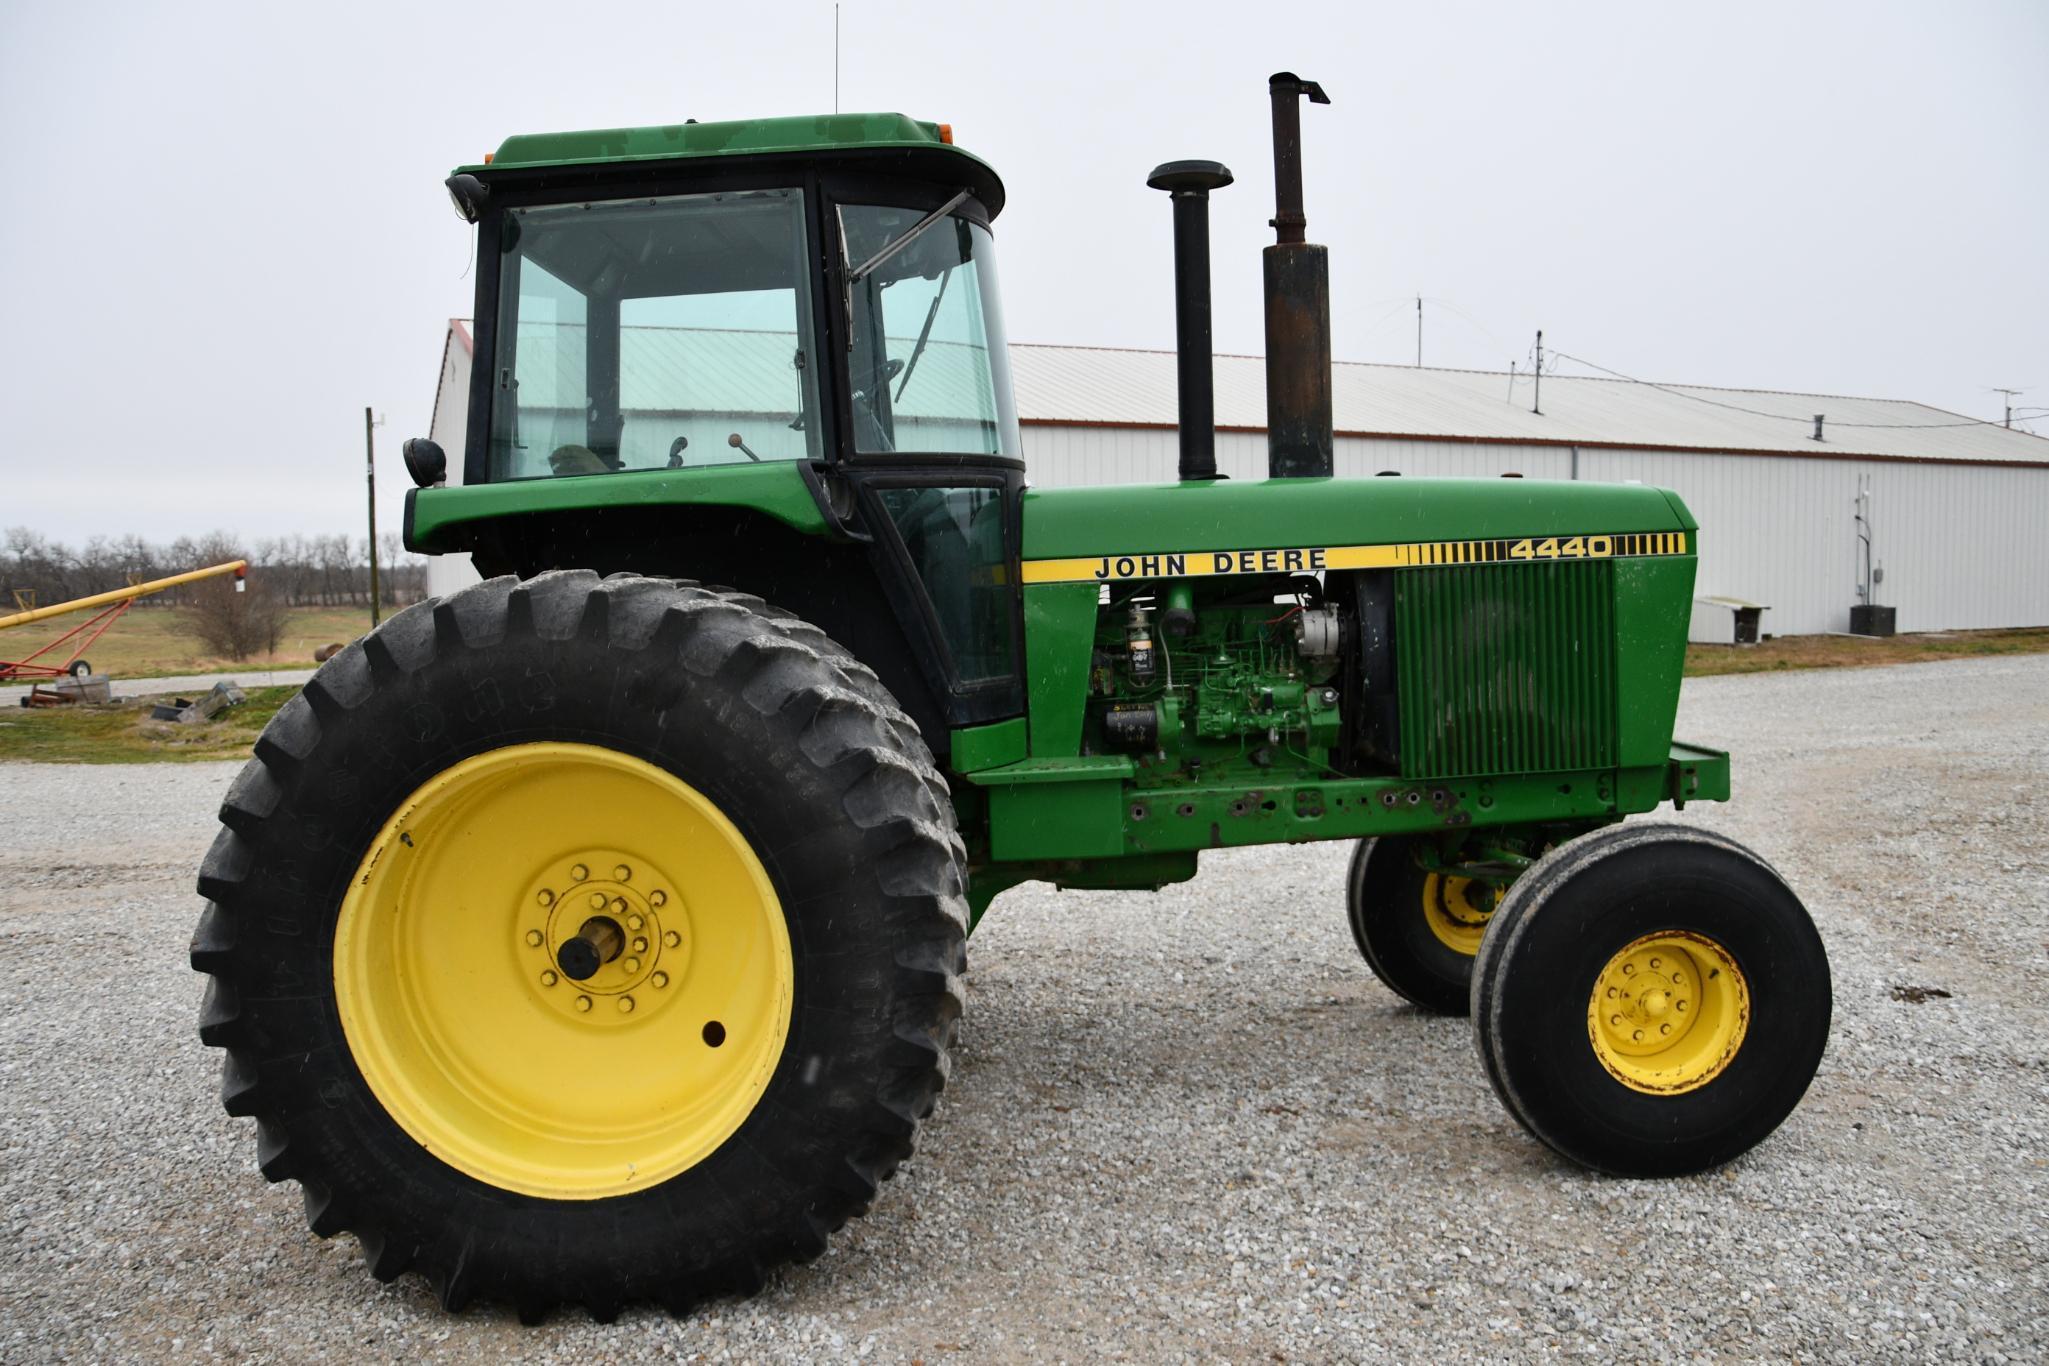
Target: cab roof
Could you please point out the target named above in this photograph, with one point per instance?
(864, 137)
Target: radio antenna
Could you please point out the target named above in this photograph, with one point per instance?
(835, 57)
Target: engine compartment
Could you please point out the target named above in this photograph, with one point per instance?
(1222, 679)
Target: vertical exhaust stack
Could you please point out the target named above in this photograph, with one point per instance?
(1298, 424)
(1190, 182)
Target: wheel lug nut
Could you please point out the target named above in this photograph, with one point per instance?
(631, 965)
(597, 901)
(1615, 1020)
(625, 1005)
(579, 872)
(546, 898)
(1654, 962)
(658, 898)
(1611, 993)
(672, 939)
(1637, 1035)
(660, 979)
(549, 979)
(1664, 1029)
(533, 939)
(622, 874)
(634, 922)
(640, 946)
(583, 1003)
(1628, 968)
(619, 904)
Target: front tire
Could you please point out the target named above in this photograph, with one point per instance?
(1418, 929)
(1651, 1000)
(537, 1122)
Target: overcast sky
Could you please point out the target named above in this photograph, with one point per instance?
(224, 229)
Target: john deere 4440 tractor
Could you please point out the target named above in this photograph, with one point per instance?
(595, 933)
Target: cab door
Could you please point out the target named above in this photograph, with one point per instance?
(929, 434)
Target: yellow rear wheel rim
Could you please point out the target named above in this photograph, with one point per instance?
(1669, 1013)
(463, 1022)
(1457, 910)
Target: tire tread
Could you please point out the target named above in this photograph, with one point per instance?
(849, 730)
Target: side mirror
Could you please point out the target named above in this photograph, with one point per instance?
(470, 195)
(425, 461)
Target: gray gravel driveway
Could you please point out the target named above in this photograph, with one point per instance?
(1186, 1125)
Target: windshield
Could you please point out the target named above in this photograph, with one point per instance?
(928, 368)
(653, 333)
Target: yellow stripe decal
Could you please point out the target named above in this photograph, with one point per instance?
(1191, 564)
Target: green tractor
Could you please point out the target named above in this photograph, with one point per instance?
(595, 934)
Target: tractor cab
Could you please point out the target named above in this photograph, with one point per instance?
(697, 313)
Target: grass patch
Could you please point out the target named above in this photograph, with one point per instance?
(1835, 652)
(124, 734)
(156, 642)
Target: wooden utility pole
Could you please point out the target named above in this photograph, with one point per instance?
(370, 476)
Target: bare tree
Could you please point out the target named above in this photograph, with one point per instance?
(299, 571)
(237, 625)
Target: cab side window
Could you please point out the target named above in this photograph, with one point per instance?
(955, 537)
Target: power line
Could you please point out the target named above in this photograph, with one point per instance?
(1472, 321)
(1777, 417)
(1379, 325)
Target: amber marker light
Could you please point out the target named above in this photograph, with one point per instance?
(946, 134)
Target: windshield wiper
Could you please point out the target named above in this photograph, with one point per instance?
(924, 333)
(862, 271)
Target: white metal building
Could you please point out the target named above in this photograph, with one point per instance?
(1955, 508)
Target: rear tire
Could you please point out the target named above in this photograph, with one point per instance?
(1651, 1000)
(79, 668)
(1416, 929)
(693, 690)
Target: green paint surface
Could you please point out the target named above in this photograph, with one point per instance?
(438, 519)
(1236, 514)
(819, 135)
(1056, 821)
(980, 747)
(1653, 604)
(1060, 633)
(1079, 818)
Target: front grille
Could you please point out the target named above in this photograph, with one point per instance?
(1505, 668)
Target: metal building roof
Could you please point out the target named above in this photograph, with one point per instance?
(1102, 387)
(1096, 386)
(733, 370)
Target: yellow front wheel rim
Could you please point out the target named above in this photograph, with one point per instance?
(1457, 910)
(459, 1013)
(1668, 1013)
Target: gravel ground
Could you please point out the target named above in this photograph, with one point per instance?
(1184, 1126)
